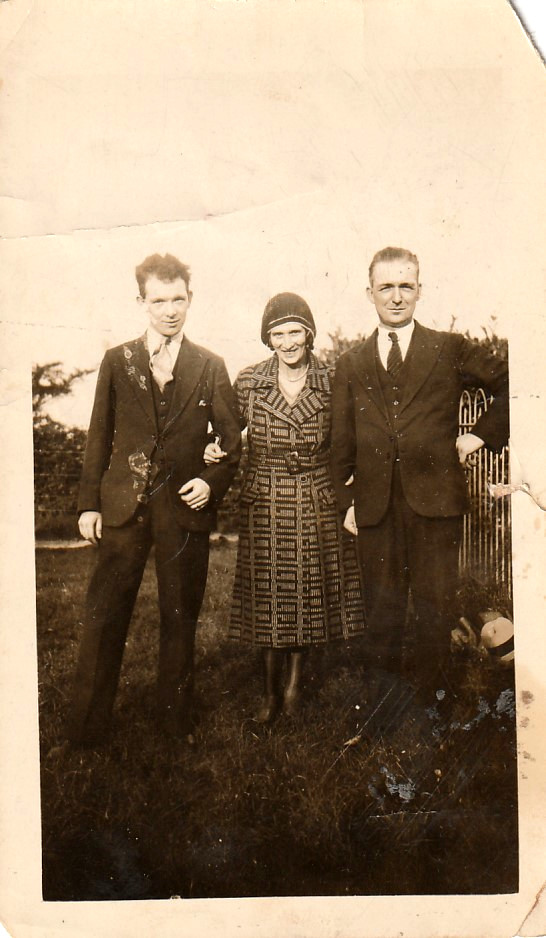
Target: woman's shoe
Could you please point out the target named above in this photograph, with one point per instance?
(268, 710)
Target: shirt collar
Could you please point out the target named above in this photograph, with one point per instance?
(154, 340)
(406, 330)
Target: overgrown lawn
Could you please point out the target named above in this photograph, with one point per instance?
(311, 806)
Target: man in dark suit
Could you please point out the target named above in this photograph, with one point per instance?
(144, 483)
(394, 441)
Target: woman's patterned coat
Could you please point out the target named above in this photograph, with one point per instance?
(296, 580)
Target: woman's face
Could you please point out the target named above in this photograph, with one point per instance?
(289, 340)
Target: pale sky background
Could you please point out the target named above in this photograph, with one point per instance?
(271, 150)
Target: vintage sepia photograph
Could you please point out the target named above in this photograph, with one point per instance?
(273, 359)
(329, 685)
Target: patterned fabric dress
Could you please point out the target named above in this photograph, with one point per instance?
(296, 581)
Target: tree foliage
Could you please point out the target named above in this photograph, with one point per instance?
(50, 381)
(58, 453)
(340, 344)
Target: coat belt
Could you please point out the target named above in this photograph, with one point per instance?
(292, 461)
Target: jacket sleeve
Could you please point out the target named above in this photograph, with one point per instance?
(241, 388)
(99, 441)
(343, 435)
(483, 369)
(225, 420)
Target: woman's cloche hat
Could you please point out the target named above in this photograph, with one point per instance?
(286, 307)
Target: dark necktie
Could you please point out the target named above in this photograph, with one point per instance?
(394, 359)
(161, 365)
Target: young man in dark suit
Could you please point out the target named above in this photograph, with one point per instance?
(395, 434)
(144, 483)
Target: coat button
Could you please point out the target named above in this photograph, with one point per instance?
(140, 518)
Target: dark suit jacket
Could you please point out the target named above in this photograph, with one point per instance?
(124, 440)
(364, 444)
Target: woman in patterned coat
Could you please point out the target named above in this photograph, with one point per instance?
(296, 580)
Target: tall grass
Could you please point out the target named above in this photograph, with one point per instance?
(318, 804)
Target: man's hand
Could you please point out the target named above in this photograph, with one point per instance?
(213, 454)
(467, 444)
(90, 525)
(195, 493)
(349, 523)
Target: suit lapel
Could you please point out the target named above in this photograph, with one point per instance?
(187, 371)
(365, 366)
(137, 369)
(423, 353)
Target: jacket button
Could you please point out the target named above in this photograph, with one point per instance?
(140, 518)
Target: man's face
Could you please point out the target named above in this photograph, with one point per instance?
(394, 292)
(167, 304)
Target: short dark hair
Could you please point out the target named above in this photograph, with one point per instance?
(166, 268)
(393, 254)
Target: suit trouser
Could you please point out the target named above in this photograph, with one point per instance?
(181, 561)
(408, 551)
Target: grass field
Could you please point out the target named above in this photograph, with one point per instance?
(307, 807)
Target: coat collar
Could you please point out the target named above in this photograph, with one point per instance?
(187, 371)
(266, 374)
(423, 353)
(310, 401)
(365, 367)
(137, 369)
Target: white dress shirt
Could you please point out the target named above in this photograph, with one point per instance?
(154, 340)
(384, 344)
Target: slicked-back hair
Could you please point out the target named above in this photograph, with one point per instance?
(166, 268)
(393, 254)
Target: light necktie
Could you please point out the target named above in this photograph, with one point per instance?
(394, 359)
(161, 365)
